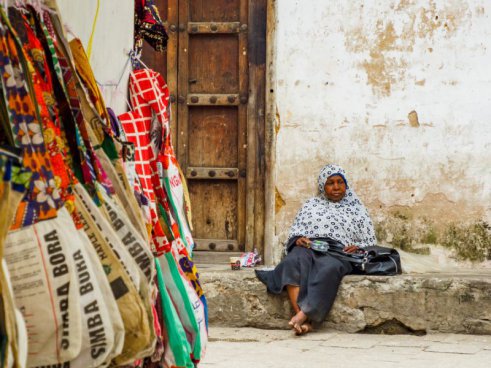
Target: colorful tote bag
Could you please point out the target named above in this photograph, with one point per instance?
(178, 352)
(137, 131)
(147, 132)
(39, 73)
(188, 305)
(13, 330)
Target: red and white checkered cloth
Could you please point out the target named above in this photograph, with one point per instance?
(147, 126)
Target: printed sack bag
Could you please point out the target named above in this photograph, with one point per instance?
(125, 193)
(109, 234)
(130, 305)
(14, 343)
(13, 184)
(107, 298)
(140, 253)
(131, 239)
(46, 290)
(97, 330)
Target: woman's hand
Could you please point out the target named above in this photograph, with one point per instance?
(303, 242)
(351, 249)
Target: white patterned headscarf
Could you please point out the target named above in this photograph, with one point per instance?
(347, 221)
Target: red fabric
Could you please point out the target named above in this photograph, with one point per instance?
(147, 127)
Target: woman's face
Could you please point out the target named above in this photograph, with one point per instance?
(335, 188)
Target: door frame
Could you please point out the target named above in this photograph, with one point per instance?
(256, 127)
(272, 125)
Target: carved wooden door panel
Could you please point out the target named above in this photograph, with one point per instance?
(212, 118)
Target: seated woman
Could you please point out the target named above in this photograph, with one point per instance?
(312, 279)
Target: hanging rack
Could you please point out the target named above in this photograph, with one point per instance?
(136, 58)
(117, 84)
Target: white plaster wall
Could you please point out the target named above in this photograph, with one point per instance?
(113, 39)
(348, 73)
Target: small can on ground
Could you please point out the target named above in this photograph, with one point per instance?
(235, 263)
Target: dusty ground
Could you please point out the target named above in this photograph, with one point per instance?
(254, 348)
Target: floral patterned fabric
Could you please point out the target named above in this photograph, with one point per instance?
(43, 197)
(11, 170)
(45, 99)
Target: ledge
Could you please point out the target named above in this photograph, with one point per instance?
(409, 303)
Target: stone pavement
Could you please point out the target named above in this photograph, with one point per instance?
(255, 348)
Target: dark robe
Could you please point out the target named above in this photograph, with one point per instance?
(318, 276)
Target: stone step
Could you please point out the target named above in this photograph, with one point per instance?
(206, 257)
(418, 303)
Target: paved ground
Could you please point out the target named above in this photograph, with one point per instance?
(253, 348)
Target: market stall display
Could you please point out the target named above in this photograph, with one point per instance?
(95, 234)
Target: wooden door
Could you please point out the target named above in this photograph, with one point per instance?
(218, 116)
(212, 87)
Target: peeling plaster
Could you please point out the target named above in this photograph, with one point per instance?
(386, 64)
(413, 119)
(383, 70)
(390, 66)
(277, 124)
(279, 201)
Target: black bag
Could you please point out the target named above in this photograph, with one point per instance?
(373, 260)
(379, 261)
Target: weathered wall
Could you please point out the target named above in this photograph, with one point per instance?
(113, 38)
(398, 93)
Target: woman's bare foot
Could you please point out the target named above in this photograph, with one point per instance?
(306, 328)
(297, 321)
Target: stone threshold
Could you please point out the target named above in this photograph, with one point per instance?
(405, 304)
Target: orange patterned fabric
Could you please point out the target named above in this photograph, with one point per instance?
(43, 198)
(48, 110)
